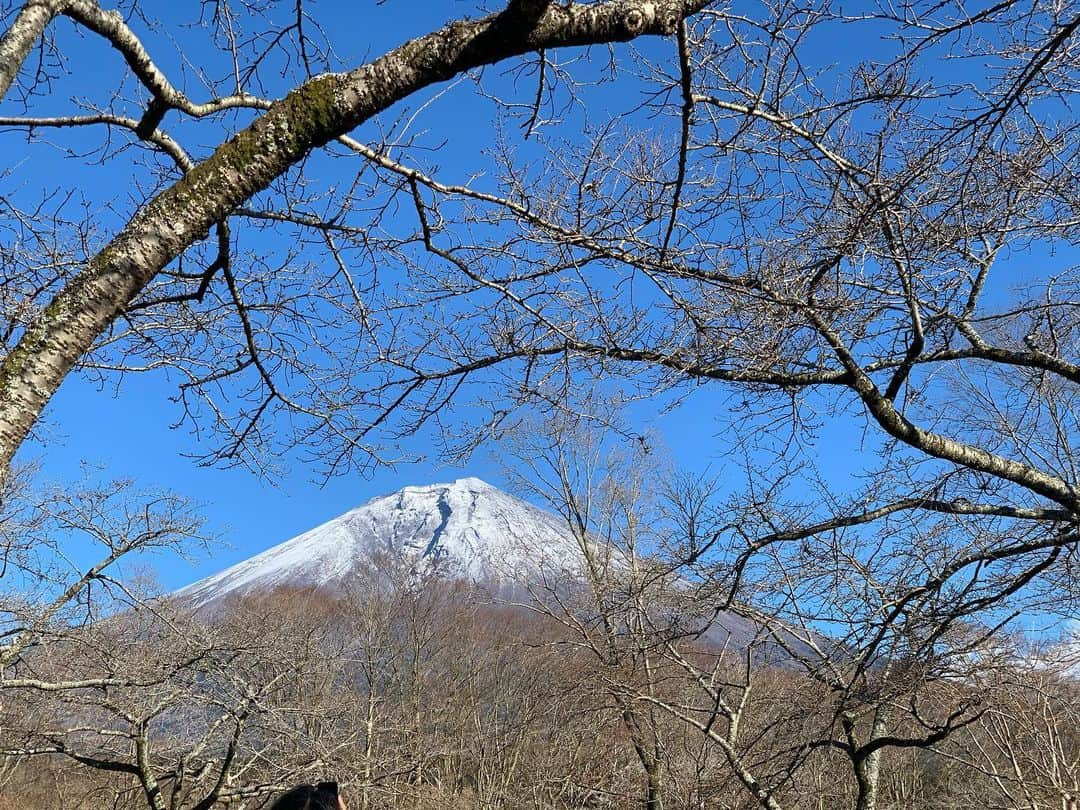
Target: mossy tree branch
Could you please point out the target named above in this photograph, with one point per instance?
(319, 110)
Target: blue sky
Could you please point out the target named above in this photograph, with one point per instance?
(127, 433)
(126, 429)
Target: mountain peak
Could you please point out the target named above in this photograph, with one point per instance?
(471, 483)
(466, 529)
(461, 485)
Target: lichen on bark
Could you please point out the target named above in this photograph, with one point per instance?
(317, 111)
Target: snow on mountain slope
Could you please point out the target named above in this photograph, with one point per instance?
(464, 530)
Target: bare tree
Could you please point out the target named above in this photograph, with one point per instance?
(1026, 745)
(88, 291)
(615, 602)
(63, 548)
(191, 712)
(817, 239)
(878, 237)
(808, 236)
(793, 648)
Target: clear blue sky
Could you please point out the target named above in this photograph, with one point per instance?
(127, 430)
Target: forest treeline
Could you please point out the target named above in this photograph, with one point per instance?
(429, 694)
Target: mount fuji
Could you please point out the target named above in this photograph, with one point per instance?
(466, 530)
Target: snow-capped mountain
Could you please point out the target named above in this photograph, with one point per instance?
(467, 529)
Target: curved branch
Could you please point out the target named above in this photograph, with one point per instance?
(318, 111)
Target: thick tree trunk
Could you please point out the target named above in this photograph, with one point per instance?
(653, 798)
(151, 789)
(868, 770)
(648, 757)
(318, 111)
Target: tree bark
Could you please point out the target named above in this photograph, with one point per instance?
(868, 770)
(653, 797)
(25, 30)
(316, 112)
